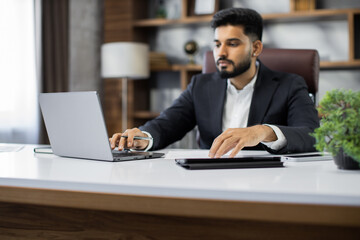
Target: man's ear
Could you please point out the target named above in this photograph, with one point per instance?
(257, 48)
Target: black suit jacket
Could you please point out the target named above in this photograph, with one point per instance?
(279, 98)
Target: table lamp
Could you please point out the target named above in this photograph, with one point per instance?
(124, 60)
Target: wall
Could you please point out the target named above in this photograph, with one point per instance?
(85, 42)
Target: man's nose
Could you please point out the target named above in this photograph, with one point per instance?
(221, 51)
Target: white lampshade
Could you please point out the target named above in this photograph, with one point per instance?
(125, 60)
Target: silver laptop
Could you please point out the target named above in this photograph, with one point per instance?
(76, 128)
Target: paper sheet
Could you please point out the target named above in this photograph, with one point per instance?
(195, 153)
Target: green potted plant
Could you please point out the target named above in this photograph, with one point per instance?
(339, 131)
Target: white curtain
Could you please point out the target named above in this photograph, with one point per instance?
(19, 75)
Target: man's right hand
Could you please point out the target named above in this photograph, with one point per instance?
(129, 142)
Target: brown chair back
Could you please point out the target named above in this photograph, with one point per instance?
(304, 62)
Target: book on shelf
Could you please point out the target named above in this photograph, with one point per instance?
(158, 60)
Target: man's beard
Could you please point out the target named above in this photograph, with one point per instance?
(238, 69)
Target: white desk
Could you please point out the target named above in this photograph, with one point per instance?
(313, 193)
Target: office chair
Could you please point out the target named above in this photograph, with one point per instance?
(303, 62)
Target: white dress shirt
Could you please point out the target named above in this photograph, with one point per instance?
(237, 108)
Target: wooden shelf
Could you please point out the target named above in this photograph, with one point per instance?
(164, 22)
(186, 71)
(188, 67)
(295, 15)
(198, 68)
(311, 15)
(340, 64)
(178, 67)
(145, 114)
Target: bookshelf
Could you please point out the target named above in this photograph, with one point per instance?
(125, 21)
(351, 15)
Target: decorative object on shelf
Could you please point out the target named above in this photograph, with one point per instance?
(191, 48)
(339, 131)
(266, 7)
(303, 5)
(173, 9)
(158, 60)
(160, 9)
(205, 7)
(123, 60)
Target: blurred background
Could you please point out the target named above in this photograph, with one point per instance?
(55, 46)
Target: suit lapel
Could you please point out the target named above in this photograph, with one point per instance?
(265, 87)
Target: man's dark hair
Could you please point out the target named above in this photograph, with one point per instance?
(250, 19)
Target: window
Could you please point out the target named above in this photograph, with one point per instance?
(19, 111)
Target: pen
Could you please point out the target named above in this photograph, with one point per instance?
(139, 138)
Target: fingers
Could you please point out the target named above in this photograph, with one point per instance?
(220, 145)
(123, 141)
(136, 143)
(215, 146)
(114, 140)
(236, 139)
(223, 145)
(126, 140)
(130, 138)
(237, 149)
(139, 144)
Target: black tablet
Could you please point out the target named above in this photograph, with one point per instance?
(230, 163)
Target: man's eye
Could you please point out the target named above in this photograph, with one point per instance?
(233, 44)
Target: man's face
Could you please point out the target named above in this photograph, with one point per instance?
(232, 51)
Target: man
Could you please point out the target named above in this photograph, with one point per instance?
(244, 104)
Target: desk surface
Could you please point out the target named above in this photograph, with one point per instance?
(311, 200)
(318, 182)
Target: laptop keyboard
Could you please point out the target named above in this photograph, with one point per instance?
(127, 153)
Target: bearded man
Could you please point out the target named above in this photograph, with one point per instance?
(243, 105)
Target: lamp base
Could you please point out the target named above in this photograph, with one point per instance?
(124, 110)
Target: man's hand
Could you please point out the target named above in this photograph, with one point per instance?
(238, 138)
(129, 142)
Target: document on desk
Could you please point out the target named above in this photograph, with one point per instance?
(196, 153)
(307, 157)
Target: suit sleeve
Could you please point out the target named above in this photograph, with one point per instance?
(302, 119)
(174, 122)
